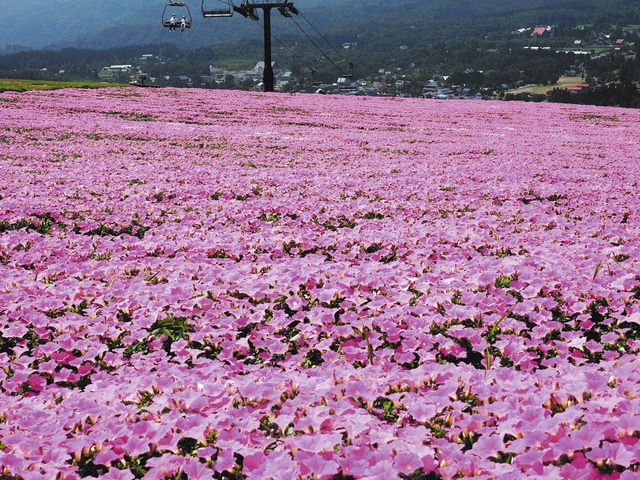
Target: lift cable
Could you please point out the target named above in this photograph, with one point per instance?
(320, 49)
(291, 50)
(327, 41)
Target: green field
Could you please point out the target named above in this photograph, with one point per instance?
(18, 85)
(564, 82)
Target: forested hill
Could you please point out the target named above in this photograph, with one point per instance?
(114, 23)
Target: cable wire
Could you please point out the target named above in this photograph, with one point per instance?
(321, 35)
(313, 70)
(320, 49)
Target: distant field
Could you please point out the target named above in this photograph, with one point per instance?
(593, 48)
(18, 85)
(235, 64)
(564, 82)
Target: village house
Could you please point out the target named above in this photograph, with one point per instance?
(185, 79)
(113, 72)
(538, 32)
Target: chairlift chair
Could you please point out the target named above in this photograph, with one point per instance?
(225, 9)
(288, 9)
(180, 9)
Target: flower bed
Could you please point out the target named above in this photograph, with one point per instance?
(232, 285)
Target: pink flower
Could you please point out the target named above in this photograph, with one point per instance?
(115, 474)
(407, 463)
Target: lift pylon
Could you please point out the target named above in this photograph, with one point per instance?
(248, 10)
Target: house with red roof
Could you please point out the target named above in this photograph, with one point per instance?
(538, 32)
(578, 88)
(620, 41)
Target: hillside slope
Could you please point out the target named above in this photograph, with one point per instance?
(272, 286)
(113, 23)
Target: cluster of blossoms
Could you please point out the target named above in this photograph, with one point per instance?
(222, 285)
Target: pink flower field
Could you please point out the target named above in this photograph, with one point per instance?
(199, 285)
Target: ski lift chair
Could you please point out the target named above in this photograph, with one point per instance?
(180, 9)
(224, 9)
(288, 9)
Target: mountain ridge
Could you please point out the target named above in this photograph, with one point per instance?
(111, 23)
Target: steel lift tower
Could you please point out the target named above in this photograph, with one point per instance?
(248, 9)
